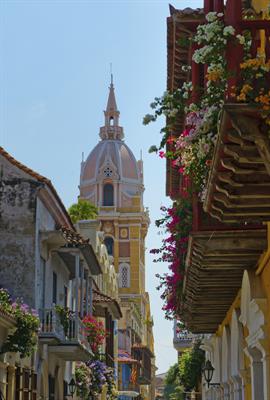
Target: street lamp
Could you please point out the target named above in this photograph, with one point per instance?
(208, 371)
(72, 387)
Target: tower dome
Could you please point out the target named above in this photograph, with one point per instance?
(111, 162)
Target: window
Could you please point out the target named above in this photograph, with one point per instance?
(54, 292)
(109, 244)
(108, 194)
(108, 172)
(124, 275)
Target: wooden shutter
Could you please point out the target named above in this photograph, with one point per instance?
(26, 384)
(18, 385)
(33, 386)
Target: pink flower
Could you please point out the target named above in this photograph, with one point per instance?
(175, 163)
(162, 154)
(185, 132)
(181, 170)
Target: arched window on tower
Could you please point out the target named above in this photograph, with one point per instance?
(108, 241)
(124, 275)
(111, 121)
(108, 194)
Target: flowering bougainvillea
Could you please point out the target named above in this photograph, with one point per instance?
(198, 110)
(177, 223)
(95, 332)
(23, 337)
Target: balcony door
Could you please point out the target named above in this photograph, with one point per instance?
(52, 388)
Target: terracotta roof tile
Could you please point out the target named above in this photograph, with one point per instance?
(73, 238)
(186, 12)
(99, 297)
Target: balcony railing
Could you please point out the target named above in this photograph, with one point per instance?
(51, 328)
(183, 336)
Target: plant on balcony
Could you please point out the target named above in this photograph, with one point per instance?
(65, 315)
(23, 337)
(190, 151)
(253, 87)
(95, 332)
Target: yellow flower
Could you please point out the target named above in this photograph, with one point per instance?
(254, 63)
(241, 97)
(244, 91)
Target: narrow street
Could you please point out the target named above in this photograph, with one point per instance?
(134, 214)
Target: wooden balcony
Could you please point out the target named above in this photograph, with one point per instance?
(71, 345)
(181, 26)
(239, 181)
(215, 264)
(144, 355)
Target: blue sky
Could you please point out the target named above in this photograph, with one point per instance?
(55, 60)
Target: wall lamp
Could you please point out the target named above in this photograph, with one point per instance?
(72, 387)
(208, 371)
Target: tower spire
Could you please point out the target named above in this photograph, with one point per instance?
(111, 104)
(111, 130)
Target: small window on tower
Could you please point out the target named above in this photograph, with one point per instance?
(111, 121)
(108, 172)
(109, 244)
(108, 194)
(124, 275)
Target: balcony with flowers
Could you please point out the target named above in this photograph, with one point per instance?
(19, 325)
(70, 337)
(215, 143)
(94, 376)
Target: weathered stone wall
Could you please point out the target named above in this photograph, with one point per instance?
(18, 192)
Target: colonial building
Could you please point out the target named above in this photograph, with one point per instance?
(44, 261)
(225, 291)
(112, 179)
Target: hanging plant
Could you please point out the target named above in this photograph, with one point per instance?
(176, 222)
(95, 332)
(23, 337)
(92, 376)
(83, 379)
(65, 315)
